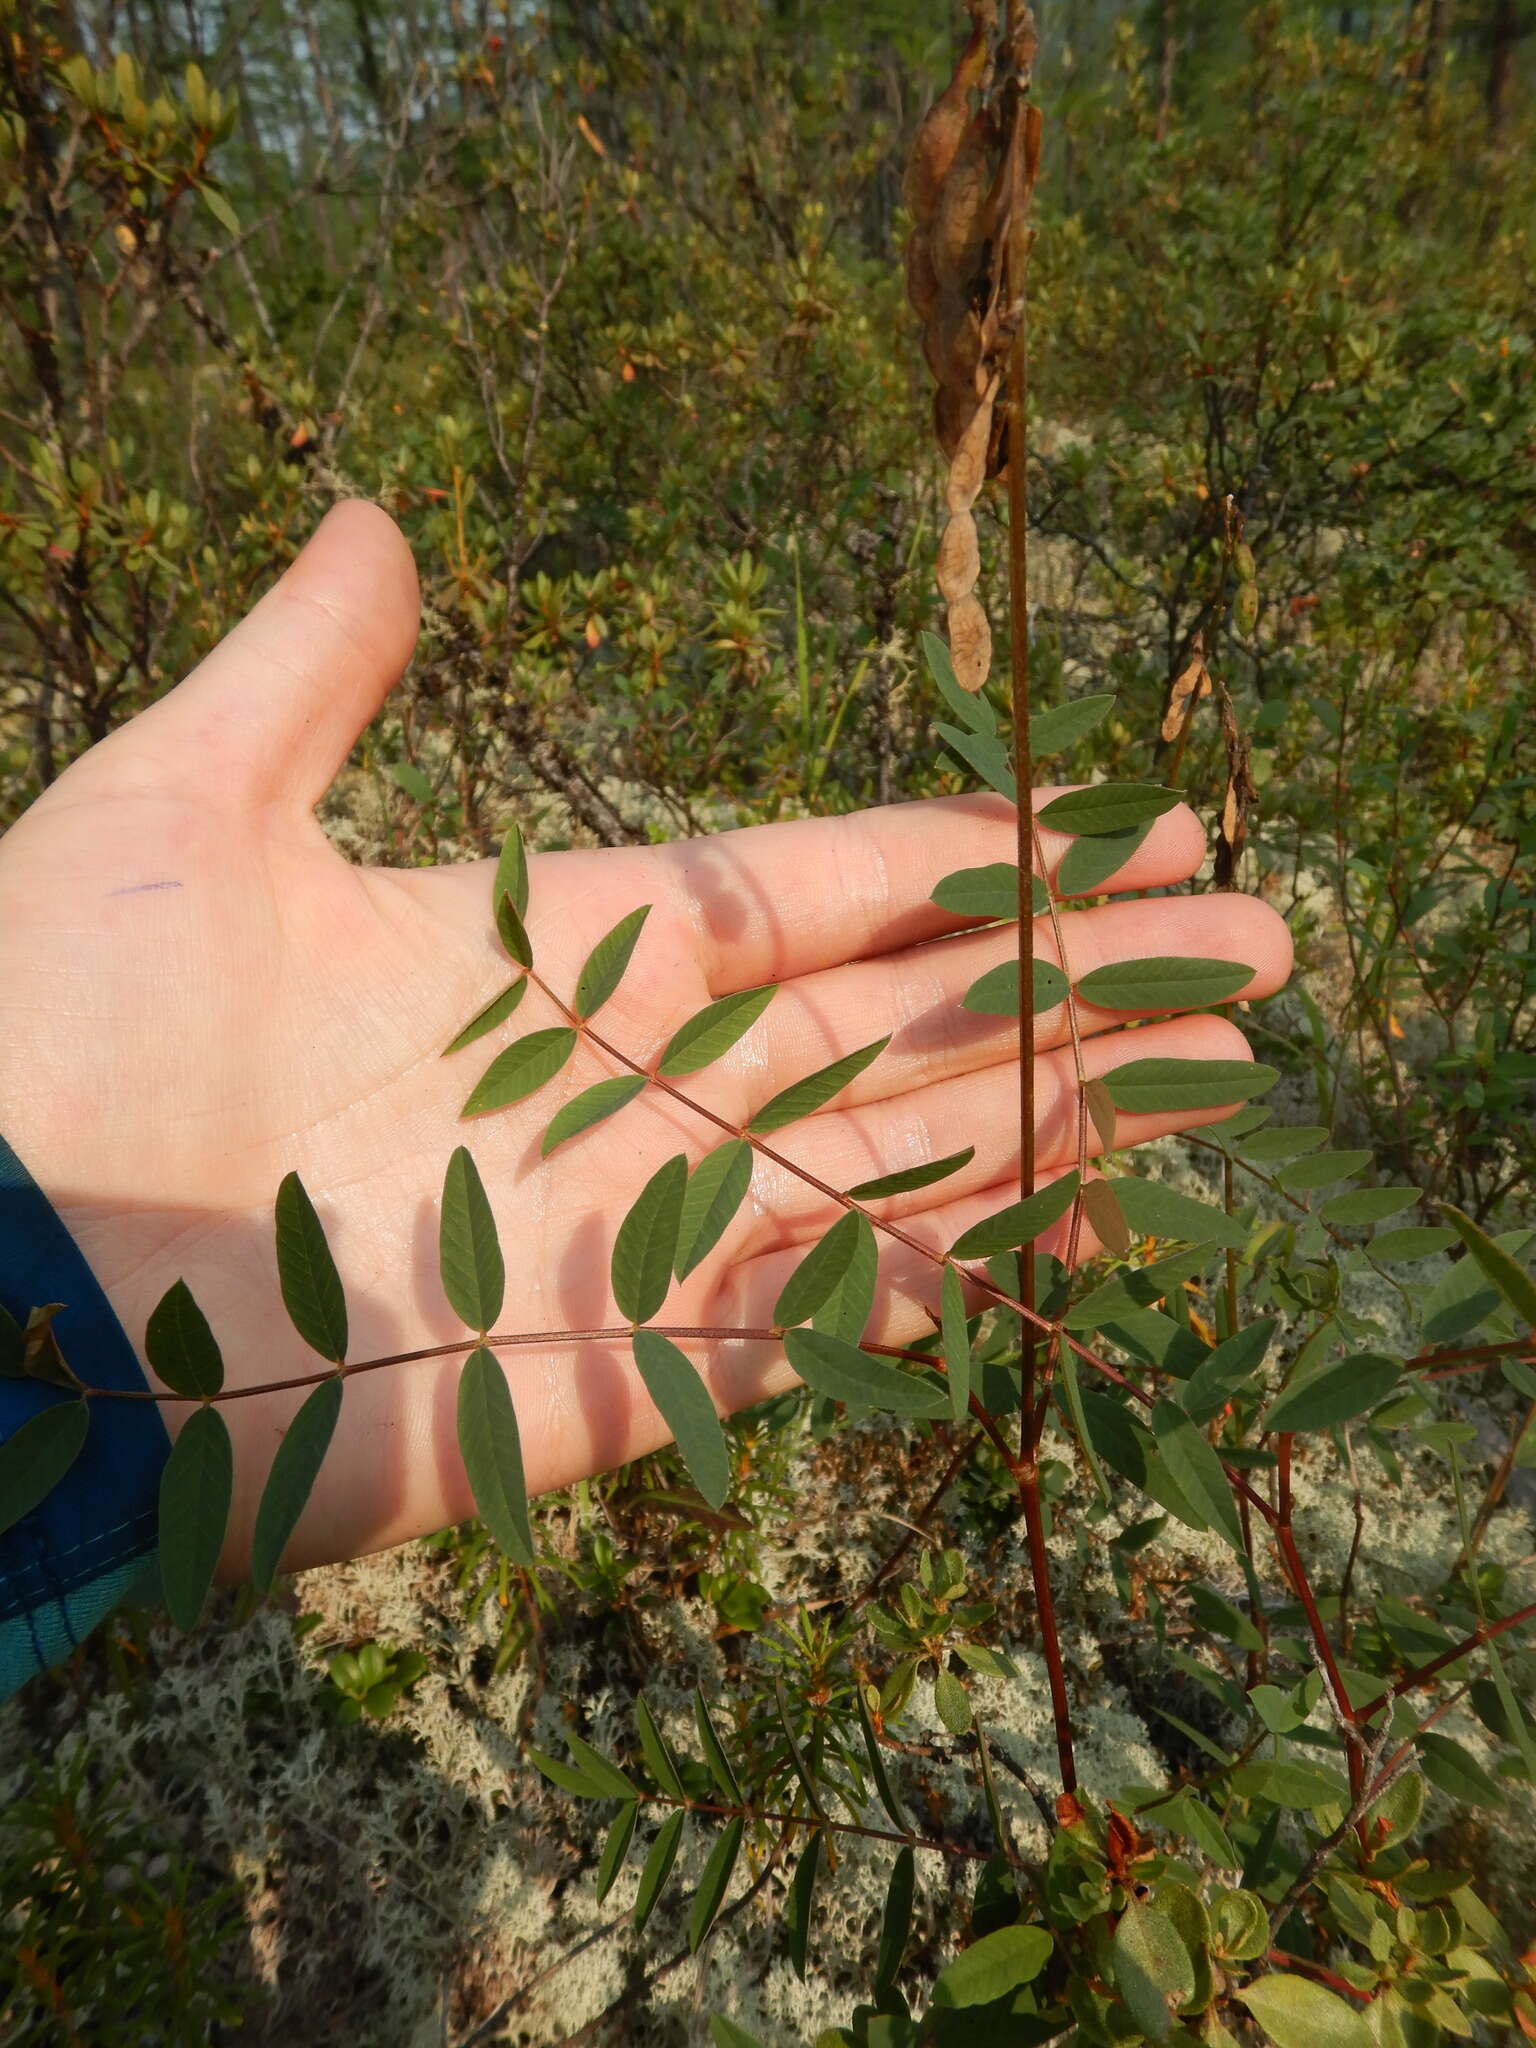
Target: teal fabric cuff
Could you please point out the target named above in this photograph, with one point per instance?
(92, 1542)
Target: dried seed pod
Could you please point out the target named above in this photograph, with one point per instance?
(1195, 681)
(959, 558)
(922, 279)
(968, 453)
(954, 416)
(943, 127)
(963, 222)
(952, 346)
(970, 643)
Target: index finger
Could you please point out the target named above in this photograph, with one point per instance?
(773, 901)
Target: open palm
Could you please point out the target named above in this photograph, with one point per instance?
(198, 995)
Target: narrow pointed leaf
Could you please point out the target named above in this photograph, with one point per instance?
(957, 1343)
(910, 1178)
(1149, 1087)
(657, 1867)
(895, 1921)
(291, 1479)
(1020, 1223)
(803, 1097)
(716, 1189)
(492, 1451)
(885, 1790)
(1502, 1270)
(616, 1848)
(591, 1106)
(1137, 1287)
(797, 1909)
(991, 892)
(996, 993)
(844, 1373)
(180, 1345)
(1227, 1371)
(725, 2033)
(469, 1252)
(1163, 983)
(565, 1775)
(984, 754)
(1334, 1394)
(714, 1752)
(1107, 807)
(603, 1772)
(714, 1884)
(818, 1273)
(787, 1730)
(37, 1456)
(712, 1031)
(607, 962)
(511, 877)
(653, 1747)
(847, 1309)
(195, 1490)
(1092, 861)
(969, 706)
(1196, 1470)
(496, 1011)
(646, 1243)
(521, 1069)
(307, 1273)
(512, 932)
(1072, 1393)
(1063, 725)
(673, 1383)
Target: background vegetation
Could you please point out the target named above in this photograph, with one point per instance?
(605, 304)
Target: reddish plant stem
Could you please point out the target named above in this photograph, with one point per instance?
(1411, 1680)
(1296, 1571)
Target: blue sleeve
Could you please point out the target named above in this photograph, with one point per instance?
(91, 1542)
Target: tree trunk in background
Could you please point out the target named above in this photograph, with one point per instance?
(1504, 32)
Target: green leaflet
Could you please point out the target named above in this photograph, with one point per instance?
(971, 707)
(1500, 1268)
(512, 932)
(818, 1273)
(992, 1967)
(714, 1884)
(712, 1031)
(601, 1770)
(1196, 1470)
(616, 1848)
(1367, 1205)
(673, 1383)
(566, 1776)
(844, 1373)
(996, 993)
(846, 1311)
(307, 1273)
(181, 1347)
(984, 754)
(1020, 1223)
(646, 1243)
(990, 892)
(653, 1747)
(883, 1786)
(496, 1011)
(727, 2034)
(952, 1702)
(1335, 1393)
(468, 1250)
(1137, 1287)
(37, 1456)
(1265, 1147)
(1296, 2013)
(1108, 807)
(1152, 1968)
(1091, 861)
(1451, 1766)
(716, 1189)
(607, 961)
(492, 1451)
(1405, 1247)
(195, 1490)
(714, 1752)
(957, 1343)
(1227, 1370)
(511, 877)
(911, 1178)
(797, 1907)
(1148, 1087)
(591, 1106)
(1072, 1392)
(521, 1068)
(801, 1098)
(1163, 982)
(895, 1921)
(657, 1867)
(1156, 1210)
(291, 1479)
(1321, 1170)
(1063, 725)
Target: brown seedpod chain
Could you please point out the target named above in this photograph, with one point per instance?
(970, 180)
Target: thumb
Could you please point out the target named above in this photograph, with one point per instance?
(272, 713)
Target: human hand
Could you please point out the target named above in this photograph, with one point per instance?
(198, 994)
